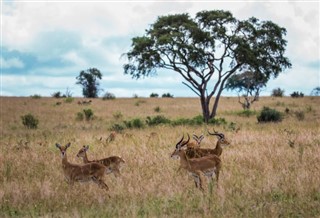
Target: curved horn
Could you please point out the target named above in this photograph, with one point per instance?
(178, 144)
(186, 142)
(221, 135)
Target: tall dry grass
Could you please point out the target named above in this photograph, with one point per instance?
(269, 170)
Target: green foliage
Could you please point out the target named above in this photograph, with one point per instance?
(315, 91)
(277, 92)
(117, 115)
(153, 121)
(56, 94)
(35, 96)
(246, 113)
(88, 113)
(154, 95)
(297, 95)
(89, 81)
(79, 116)
(108, 96)
(134, 123)
(197, 47)
(167, 95)
(269, 115)
(157, 109)
(69, 100)
(30, 121)
(117, 127)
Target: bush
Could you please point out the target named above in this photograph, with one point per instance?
(69, 99)
(35, 96)
(108, 96)
(135, 123)
(269, 115)
(153, 121)
(117, 127)
(297, 95)
(56, 94)
(277, 92)
(246, 113)
(154, 95)
(30, 121)
(157, 109)
(88, 113)
(167, 95)
(79, 116)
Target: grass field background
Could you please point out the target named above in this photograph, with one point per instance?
(269, 170)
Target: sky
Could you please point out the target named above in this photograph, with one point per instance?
(45, 44)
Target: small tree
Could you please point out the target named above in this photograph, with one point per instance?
(277, 92)
(315, 91)
(248, 84)
(89, 81)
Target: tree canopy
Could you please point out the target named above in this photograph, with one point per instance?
(89, 81)
(207, 50)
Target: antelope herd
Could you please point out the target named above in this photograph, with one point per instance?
(194, 159)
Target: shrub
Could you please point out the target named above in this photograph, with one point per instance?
(56, 94)
(217, 121)
(154, 95)
(167, 95)
(269, 115)
(246, 113)
(30, 121)
(297, 95)
(135, 123)
(108, 96)
(117, 115)
(79, 116)
(277, 92)
(157, 109)
(117, 127)
(88, 113)
(69, 99)
(35, 96)
(153, 121)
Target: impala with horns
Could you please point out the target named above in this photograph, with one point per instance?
(112, 163)
(82, 173)
(200, 152)
(196, 142)
(207, 165)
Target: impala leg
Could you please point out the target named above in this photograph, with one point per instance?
(116, 172)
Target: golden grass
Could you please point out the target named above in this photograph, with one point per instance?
(262, 176)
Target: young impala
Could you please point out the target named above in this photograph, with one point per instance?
(113, 163)
(207, 165)
(81, 173)
(200, 152)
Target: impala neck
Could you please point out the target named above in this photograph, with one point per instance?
(183, 160)
(85, 158)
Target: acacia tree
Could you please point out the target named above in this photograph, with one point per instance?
(89, 81)
(248, 85)
(207, 50)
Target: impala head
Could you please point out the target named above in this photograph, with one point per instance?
(63, 149)
(198, 139)
(179, 145)
(82, 151)
(220, 137)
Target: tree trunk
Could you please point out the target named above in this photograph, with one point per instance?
(205, 107)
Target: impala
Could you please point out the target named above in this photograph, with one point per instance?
(81, 173)
(112, 163)
(196, 142)
(207, 165)
(200, 152)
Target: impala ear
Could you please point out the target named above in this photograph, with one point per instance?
(68, 145)
(86, 147)
(58, 145)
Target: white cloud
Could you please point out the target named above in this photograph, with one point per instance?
(11, 63)
(88, 34)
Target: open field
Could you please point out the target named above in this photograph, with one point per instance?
(266, 172)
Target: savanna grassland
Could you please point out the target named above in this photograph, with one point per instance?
(269, 170)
